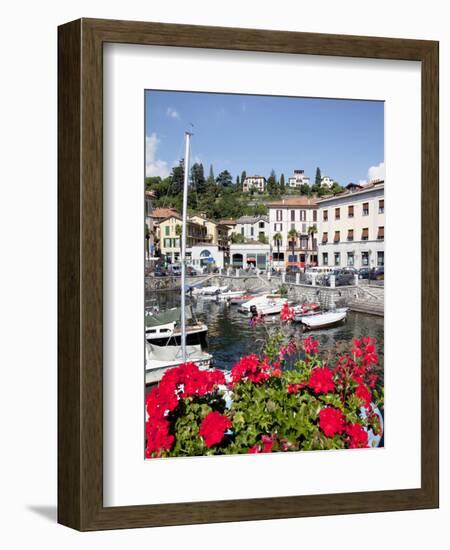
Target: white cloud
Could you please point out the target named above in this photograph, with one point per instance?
(172, 113)
(376, 172)
(153, 166)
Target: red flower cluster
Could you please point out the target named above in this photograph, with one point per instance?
(295, 388)
(357, 437)
(331, 421)
(310, 345)
(287, 313)
(266, 447)
(252, 368)
(364, 394)
(290, 349)
(183, 381)
(321, 380)
(213, 428)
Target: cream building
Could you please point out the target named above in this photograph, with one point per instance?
(298, 179)
(253, 227)
(170, 236)
(254, 182)
(216, 233)
(351, 227)
(298, 213)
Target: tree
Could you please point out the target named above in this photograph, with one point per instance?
(224, 179)
(177, 178)
(277, 238)
(211, 179)
(336, 188)
(243, 176)
(272, 183)
(312, 230)
(198, 178)
(238, 183)
(282, 184)
(263, 239)
(318, 179)
(293, 236)
(237, 238)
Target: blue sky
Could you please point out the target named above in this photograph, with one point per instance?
(345, 138)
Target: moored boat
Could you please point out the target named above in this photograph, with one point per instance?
(161, 358)
(324, 320)
(164, 328)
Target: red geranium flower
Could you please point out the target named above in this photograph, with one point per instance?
(357, 437)
(310, 345)
(267, 443)
(321, 380)
(331, 421)
(287, 313)
(213, 428)
(364, 394)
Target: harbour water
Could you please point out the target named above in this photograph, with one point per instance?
(230, 335)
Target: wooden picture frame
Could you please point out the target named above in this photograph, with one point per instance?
(80, 272)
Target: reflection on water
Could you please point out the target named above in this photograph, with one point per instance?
(230, 335)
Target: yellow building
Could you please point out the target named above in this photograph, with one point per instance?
(216, 233)
(170, 235)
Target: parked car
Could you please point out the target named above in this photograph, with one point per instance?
(342, 277)
(363, 273)
(376, 274)
(174, 269)
(191, 271)
(160, 271)
(293, 269)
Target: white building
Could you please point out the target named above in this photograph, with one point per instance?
(250, 254)
(297, 213)
(298, 179)
(258, 183)
(326, 181)
(204, 255)
(253, 228)
(351, 227)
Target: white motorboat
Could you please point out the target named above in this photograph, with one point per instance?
(208, 290)
(255, 301)
(272, 306)
(161, 358)
(164, 327)
(305, 310)
(228, 295)
(325, 320)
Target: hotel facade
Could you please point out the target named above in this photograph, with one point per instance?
(297, 213)
(351, 227)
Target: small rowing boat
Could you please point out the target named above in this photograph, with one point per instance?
(324, 320)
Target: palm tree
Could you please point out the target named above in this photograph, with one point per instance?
(277, 238)
(312, 230)
(293, 236)
(147, 241)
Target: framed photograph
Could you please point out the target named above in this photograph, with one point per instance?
(230, 346)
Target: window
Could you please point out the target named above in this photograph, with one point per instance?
(278, 227)
(365, 259)
(292, 225)
(350, 259)
(167, 243)
(337, 213)
(380, 258)
(365, 234)
(381, 206)
(261, 235)
(351, 212)
(350, 235)
(325, 258)
(325, 215)
(292, 215)
(252, 231)
(261, 225)
(337, 236)
(365, 208)
(167, 230)
(242, 230)
(380, 235)
(279, 214)
(337, 258)
(314, 215)
(302, 215)
(324, 238)
(304, 243)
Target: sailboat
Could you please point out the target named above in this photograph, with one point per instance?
(161, 358)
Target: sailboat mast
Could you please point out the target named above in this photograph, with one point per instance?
(183, 245)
